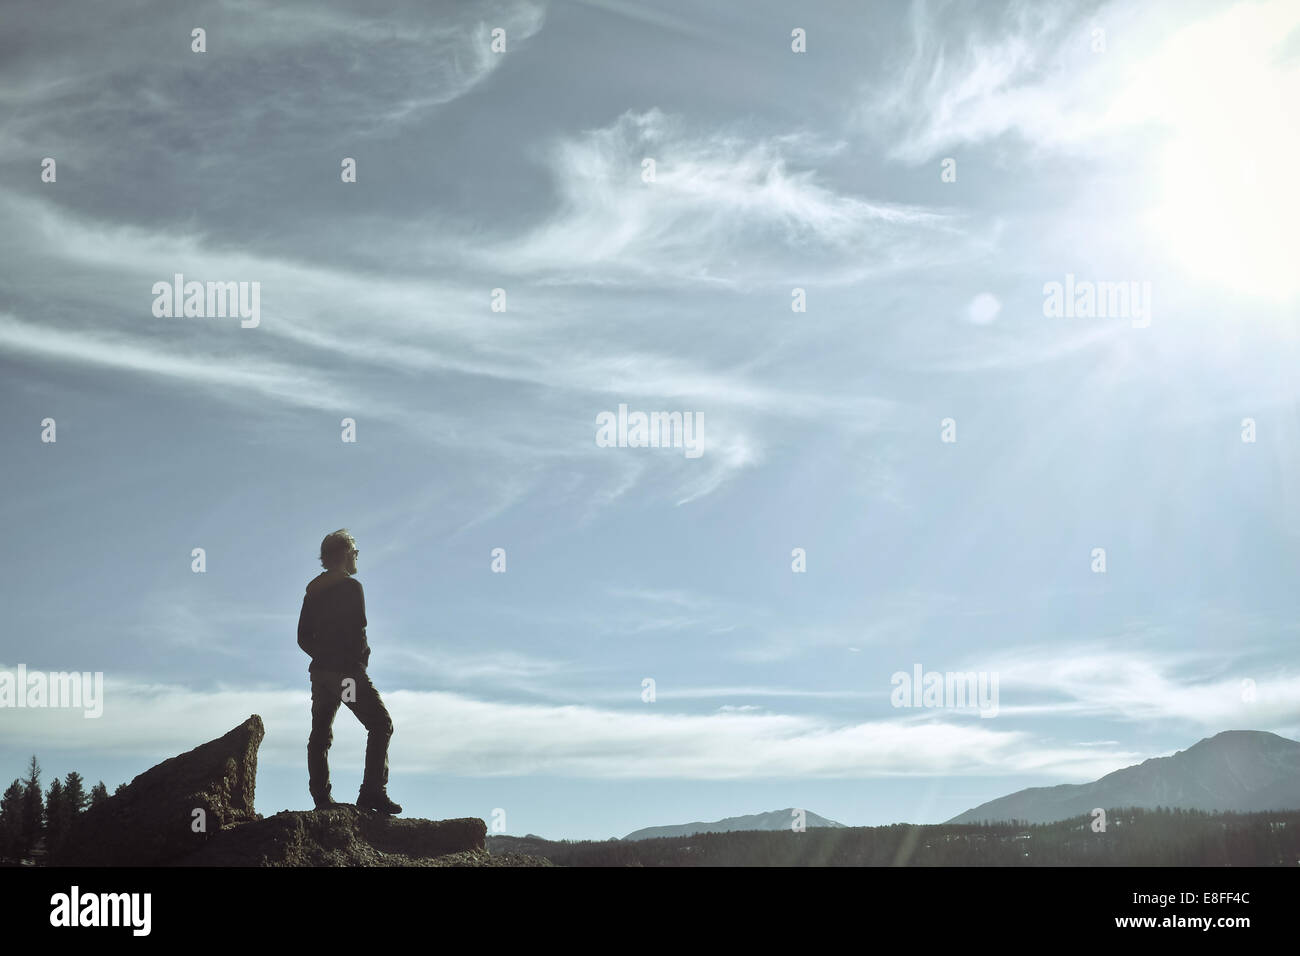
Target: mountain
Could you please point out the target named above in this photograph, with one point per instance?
(1237, 770)
(772, 820)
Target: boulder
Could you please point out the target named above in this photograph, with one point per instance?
(151, 821)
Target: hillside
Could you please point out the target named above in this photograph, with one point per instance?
(1238, 770)
(771, 820)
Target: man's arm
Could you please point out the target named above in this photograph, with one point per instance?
(361, 624)
(306, 635)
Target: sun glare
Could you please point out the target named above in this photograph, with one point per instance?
(1227, 201)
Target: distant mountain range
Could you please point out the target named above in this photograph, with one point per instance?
(772, 820)
(1237, 770)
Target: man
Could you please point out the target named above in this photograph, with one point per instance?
(332, 629)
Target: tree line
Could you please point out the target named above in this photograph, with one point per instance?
(1161, 836)
(30, 820)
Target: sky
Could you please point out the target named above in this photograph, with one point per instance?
(839, 265)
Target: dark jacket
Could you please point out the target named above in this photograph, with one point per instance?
(332, 624)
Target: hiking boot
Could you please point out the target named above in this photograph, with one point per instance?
(377, 800)
(323, 801)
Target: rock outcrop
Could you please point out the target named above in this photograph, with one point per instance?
(344, 836)
(151, 823)
(152, 820)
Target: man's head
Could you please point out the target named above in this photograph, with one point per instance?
(338, 552)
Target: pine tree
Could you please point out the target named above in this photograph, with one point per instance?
(33, 821)
(74, 791)
(11, 821)
(57, 819)
(98, 794)
(62, 806)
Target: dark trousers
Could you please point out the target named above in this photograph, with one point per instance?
(327, 692)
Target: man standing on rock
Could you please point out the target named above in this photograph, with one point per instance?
(332, 629)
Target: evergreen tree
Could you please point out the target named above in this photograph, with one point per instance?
(74, 791)
(98, 794)
(57, 818)
(33, 821)
(11, 821)
(62, 805)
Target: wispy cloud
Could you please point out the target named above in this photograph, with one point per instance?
(251, 375)
(353, 74)
(724, 208)
(1032, 71)
(1183, 688)
(493, 738)
(308, 323)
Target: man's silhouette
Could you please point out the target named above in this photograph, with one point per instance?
(332, 629)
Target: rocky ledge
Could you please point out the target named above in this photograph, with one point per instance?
(196, 809)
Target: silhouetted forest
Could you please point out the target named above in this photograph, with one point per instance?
(32, 824)
(1133, 837)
